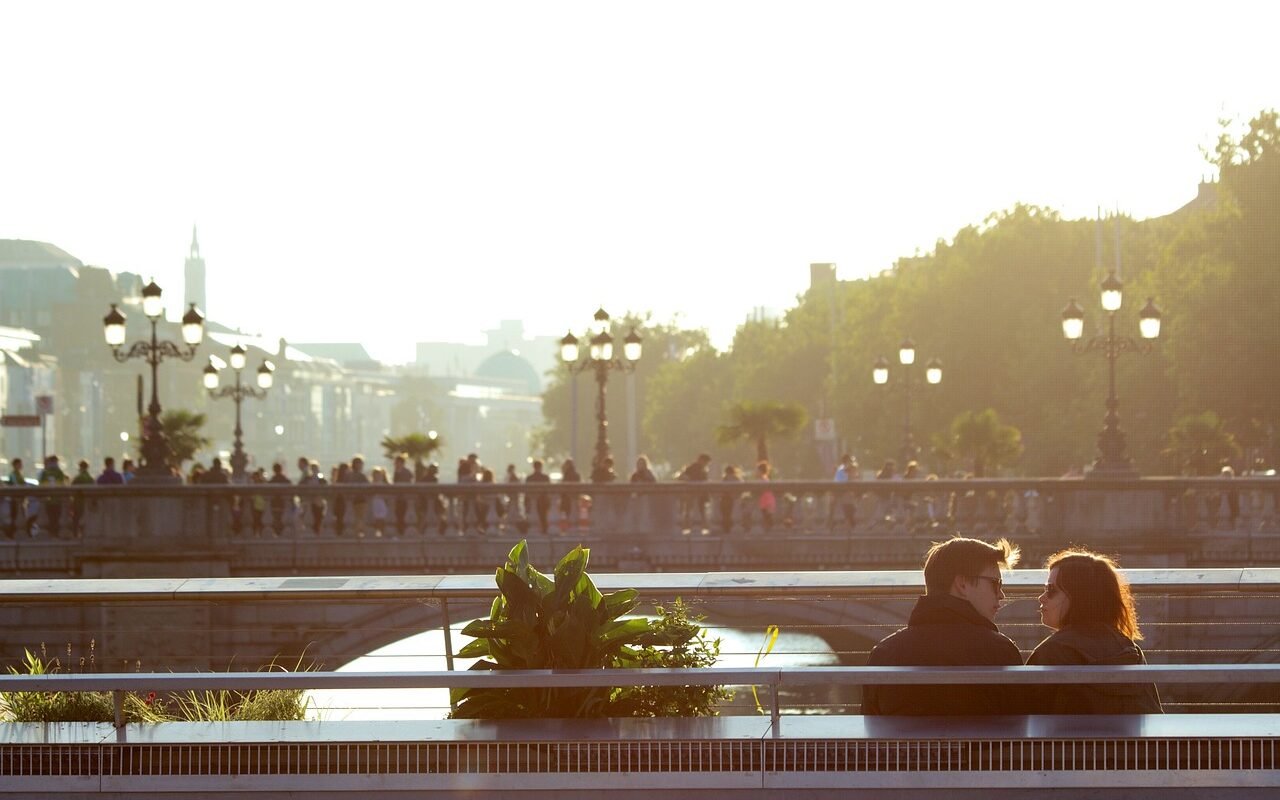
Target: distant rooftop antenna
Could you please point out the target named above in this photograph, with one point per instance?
(1117, 225)
(1097, 240)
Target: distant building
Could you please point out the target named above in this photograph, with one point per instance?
(36, 276)
(1207, 197)
(452, 359)
(193, 273)
(349, 354)
(822, 275)
(25, 374)
(764, 314)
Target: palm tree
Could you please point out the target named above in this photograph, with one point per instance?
(182, 429)
(417, 446)
(756, 421)
(982, 438)
(1199, 442)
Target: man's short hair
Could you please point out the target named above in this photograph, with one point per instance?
(958, 557)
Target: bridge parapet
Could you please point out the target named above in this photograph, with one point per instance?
(140, 530)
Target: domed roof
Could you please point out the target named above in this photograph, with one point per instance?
(508, 366)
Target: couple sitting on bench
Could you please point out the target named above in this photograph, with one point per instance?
(1086, 601)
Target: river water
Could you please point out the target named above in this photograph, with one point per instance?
(424, 651)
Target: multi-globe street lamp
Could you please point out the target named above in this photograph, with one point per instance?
(600, 358)
(1112, 461)
(932, 375)
(238, 393)
(155, 446)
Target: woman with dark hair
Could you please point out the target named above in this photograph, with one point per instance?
(1088, 604)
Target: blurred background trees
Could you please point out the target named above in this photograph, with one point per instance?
(988, 303)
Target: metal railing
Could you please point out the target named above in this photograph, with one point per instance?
(120, 683)
(1190, 616)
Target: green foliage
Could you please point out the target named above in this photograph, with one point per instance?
(690, 649)
(560, 621)
(756, 421)
(182, 429)
(68, 706)
(415, 446)
(986, 303)
(264, 705)
(984, 441)
(1198, 443)
(208, 706)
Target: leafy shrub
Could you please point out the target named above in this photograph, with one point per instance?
(208, 706)
(691, 649)
(564, 622)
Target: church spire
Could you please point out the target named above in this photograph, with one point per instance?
(194, 272)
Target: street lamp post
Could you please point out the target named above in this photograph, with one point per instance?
(932, 374)
(238, 393)
(155, 446)
(1112, 461)
(601, 360)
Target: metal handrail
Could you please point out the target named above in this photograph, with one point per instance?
(120, 683)
(688, 585)
(705, 676)
(1164, 484)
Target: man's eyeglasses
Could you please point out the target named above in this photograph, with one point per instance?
(996, 583)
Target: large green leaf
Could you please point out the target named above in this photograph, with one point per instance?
(587, 588)
(490, 629)
(571, 644)
(541, 583)
(615, 604)
(522, 603)
(518, 558)
(567, 574)
(476, 649)
(619, 632)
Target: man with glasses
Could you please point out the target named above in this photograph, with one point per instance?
(952, 625)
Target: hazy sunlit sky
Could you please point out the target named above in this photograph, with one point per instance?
(401, 172)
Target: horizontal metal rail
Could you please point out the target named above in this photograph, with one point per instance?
(688, 585)
(762, 676)
(138, 489)
(119, 683)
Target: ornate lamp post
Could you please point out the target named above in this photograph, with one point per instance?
(238, 393)
(600, 358)
(932, 374)
(155, 447)
(1112, 461)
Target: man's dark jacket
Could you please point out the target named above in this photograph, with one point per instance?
(944, 631)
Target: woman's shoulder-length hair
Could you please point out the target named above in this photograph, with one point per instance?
(1098, 592)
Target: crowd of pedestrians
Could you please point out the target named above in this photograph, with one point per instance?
(737, 500)
(29, 516)
(364, 514)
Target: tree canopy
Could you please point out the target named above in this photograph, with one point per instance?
(987, 303)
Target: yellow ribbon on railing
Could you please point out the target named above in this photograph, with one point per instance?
(766, 647)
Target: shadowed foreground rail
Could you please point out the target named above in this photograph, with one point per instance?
(782, 756)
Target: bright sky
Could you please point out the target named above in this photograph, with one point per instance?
(402, 172)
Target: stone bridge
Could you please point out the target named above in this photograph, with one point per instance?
(200, 531)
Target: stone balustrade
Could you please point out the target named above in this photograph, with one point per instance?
(154, 530)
